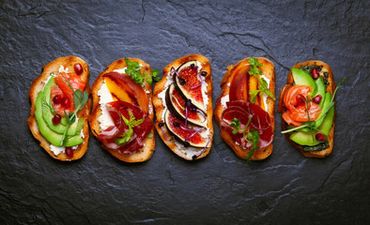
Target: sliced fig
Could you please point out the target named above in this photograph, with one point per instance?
(190, 84)
(184, 108)
(193, 135)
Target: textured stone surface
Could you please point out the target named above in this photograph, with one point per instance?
(285, 189)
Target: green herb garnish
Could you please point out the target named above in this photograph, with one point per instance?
(254, 64)
(252, 137)
(262, 84)
(131, 123)
(133, 70)
(79, 99)
(235, 124)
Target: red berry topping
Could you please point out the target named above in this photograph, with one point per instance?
(69, 152)
(78, 68)
(320, 137)
(66, 103)
(315, 73)
(56, 119)
(57, 99)
(317, 99)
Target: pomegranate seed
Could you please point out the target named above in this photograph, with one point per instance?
(320, 137)
(57, 99)
(317, 99)
(69, 152)
(56, 119)
(66, 103)
(315, 73)
(78, 68)
(300, 100)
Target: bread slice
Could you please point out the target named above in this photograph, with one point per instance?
(330, 88)
(268, 69)
(187, 153)
(38, 85)
(146, 152)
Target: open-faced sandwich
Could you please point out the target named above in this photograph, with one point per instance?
(245, 109)
(307, 107)
(60, 108)
(183, 106)
(122, 114)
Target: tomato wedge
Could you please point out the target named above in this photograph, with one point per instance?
(298, 110)
(62, 89)
(259, 121)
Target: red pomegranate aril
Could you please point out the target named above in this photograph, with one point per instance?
(320, 137)
(69, 152)
(315, 73)
(78, 68)
(57, 99)
(66, 103)
(317, 99)
(56, 119)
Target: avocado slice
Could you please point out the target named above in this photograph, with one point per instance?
(320, 90)
(304, 138)
(325, 107)
(48, 115)
(51, 136)
(328, 122)
(301, 77)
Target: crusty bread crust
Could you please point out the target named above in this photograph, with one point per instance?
(330, 88)
(163, 132)
(146, 152)
(268, 69)
(38, 85)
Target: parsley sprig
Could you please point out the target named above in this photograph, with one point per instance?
(262, 83)
(133, 70)
(131, 123)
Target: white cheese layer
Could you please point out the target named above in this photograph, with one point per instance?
(225, 99)
(62, 69)
(57, 150)
(121, 70)
(263, 95)
(105, 96)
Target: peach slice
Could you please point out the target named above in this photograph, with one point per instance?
(117, 90)
(133, 90)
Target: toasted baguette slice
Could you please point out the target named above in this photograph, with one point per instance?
(268, 69)
(187, 153)
(330, 88)
(146, 152)
(38, 85)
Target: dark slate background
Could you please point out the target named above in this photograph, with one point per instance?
(221, 189)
